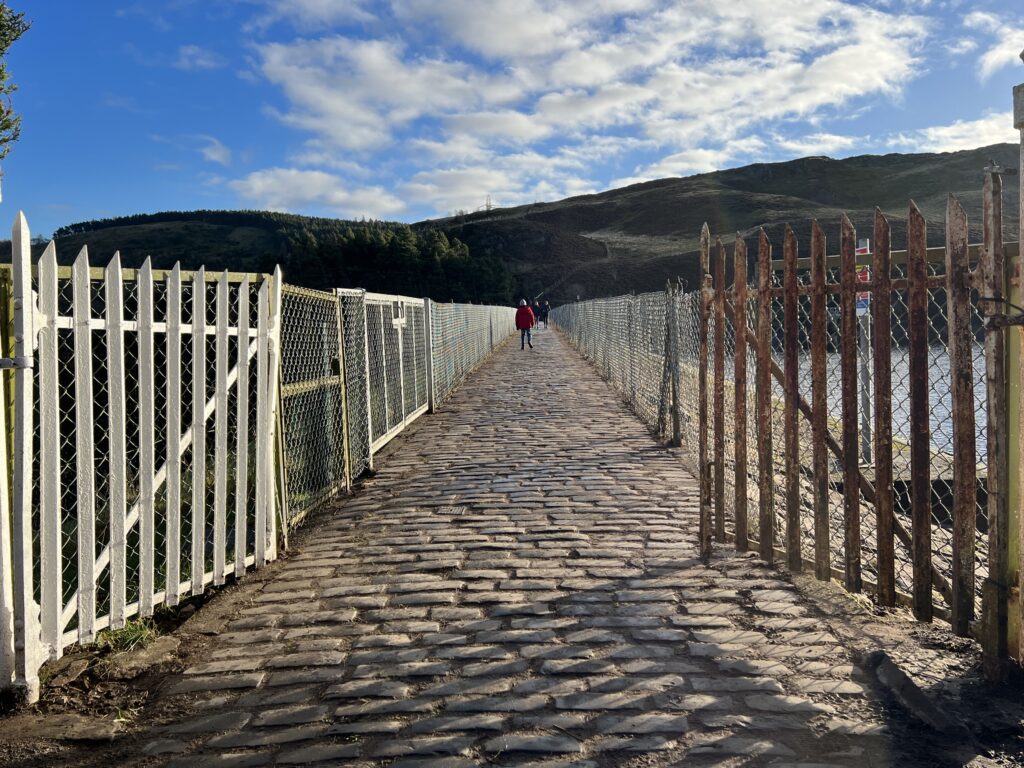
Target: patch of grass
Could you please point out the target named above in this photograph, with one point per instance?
(127, 715)
(136, 633)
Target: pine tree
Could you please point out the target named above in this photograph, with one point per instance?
(12, 26)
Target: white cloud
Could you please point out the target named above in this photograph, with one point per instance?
(504, 124)
(961, 46)
(1005, 50)
(309, 14)
(294, 190)
(816, 144)
(470, 98)
(192, 58)
(354, 93)
(214, 150)
(993, 128)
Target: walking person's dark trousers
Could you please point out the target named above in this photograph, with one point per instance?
(524, 338)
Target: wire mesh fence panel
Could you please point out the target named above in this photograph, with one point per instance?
(625, 337)
(312, 400)
(355, 336)
(396, 364)
(463, 336)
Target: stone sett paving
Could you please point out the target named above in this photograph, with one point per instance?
(517, 586)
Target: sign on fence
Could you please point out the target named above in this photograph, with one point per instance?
(863, 276)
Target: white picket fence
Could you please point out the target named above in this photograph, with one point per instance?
(157, 397)
(152, 435)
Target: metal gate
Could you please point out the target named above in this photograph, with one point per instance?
(396, 344)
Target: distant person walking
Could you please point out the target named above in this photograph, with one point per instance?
(544, 310)
(525, 320)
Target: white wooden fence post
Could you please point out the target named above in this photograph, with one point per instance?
(198, 430)
(147, 439)
(274, 393)
(7, 638)
(173, 460)
(85, 459)
(428, 342)
(242, 435)
(220, 458)
(369, 400)
(262, 425)
(51, 570)
(117, 435)
(27, 646)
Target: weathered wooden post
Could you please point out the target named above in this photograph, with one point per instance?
(993, 275)
(1016, 448)
(961, 366)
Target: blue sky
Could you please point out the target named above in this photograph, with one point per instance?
(410, 109)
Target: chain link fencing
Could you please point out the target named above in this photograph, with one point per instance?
(357, 369)
(312, 399)
(463, 336)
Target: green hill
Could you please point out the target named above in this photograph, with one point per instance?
(636, 237)
(633, 238)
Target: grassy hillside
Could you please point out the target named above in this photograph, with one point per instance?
(636, 237)
(632, 238)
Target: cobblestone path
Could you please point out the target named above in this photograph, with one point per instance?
(517, 586)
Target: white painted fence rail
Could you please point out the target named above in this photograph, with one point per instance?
(156, 396)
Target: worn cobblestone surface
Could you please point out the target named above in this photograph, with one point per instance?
(517, 586)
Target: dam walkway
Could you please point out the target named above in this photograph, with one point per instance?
(518, 585)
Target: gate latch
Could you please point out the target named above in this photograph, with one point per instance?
(995, 320)
(9, 363)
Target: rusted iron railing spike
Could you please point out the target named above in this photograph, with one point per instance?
(819, 404)
(881, 316)
(961, 364)
(791, 394)
(740, 393)
(848, 369)
(763, 385)
(920, 419)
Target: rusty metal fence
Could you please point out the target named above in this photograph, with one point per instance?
(838, 410)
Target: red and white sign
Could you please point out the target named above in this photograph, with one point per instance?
(863, 276)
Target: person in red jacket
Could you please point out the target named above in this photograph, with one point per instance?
(525, 320)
